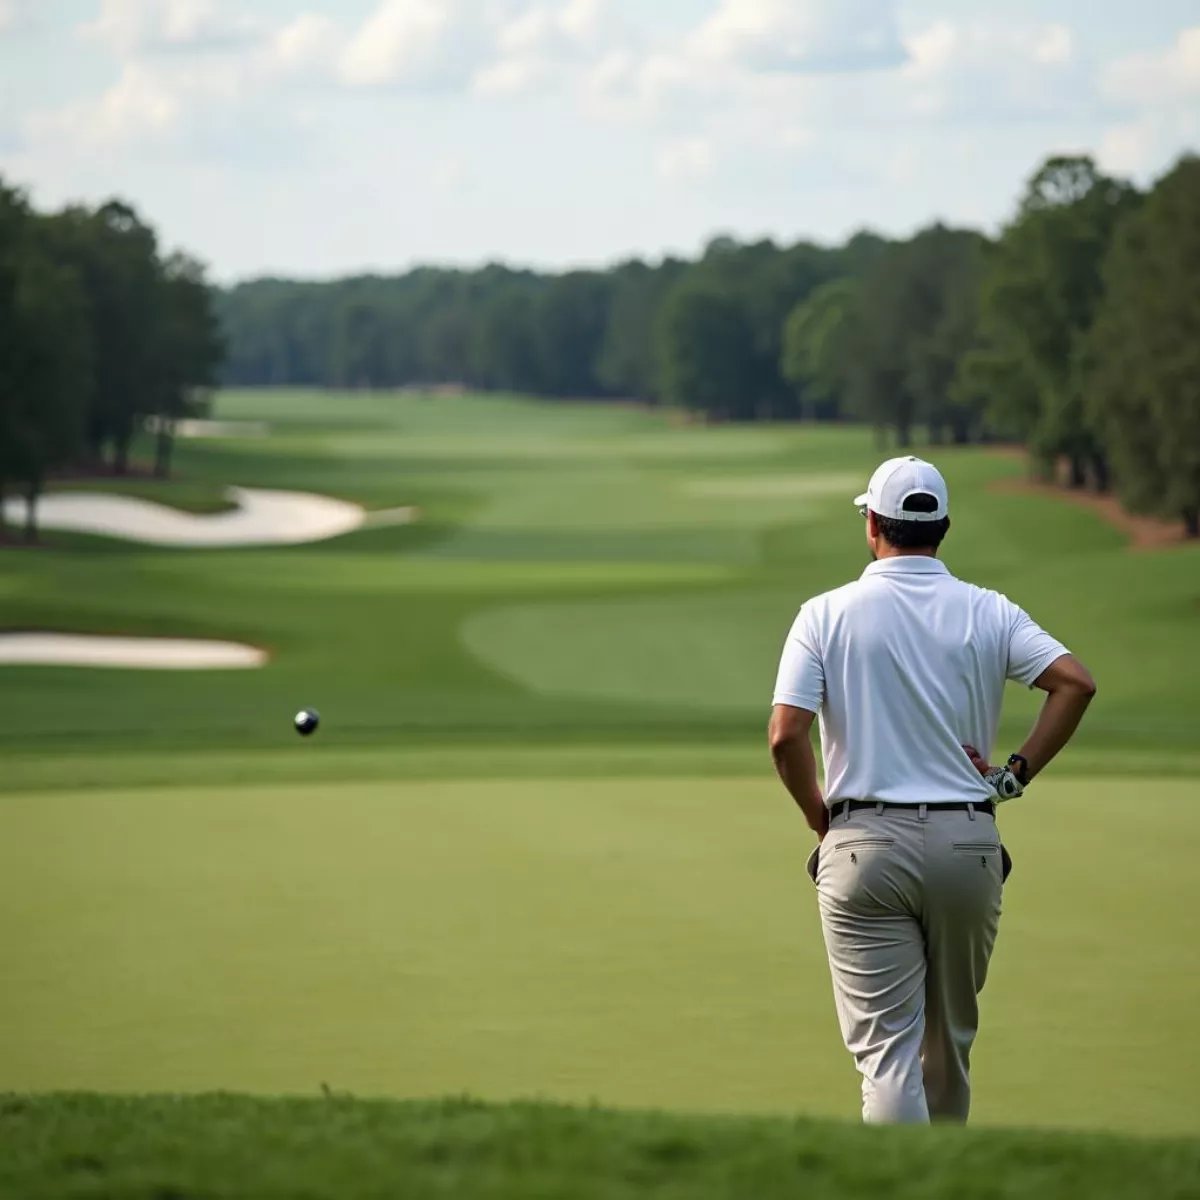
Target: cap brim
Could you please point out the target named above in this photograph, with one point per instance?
(859, 501)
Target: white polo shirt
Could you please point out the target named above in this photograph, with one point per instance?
(904, 666)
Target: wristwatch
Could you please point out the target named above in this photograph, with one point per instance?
(1018, 764)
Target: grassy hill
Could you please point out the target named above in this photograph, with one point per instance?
(225, 1147)
(536, 847)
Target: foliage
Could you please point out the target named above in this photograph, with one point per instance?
(1041, 289)
(1143, 363)
(98, 333)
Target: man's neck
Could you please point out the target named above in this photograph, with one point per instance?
(886, 551)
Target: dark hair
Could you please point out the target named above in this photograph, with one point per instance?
(914, 535)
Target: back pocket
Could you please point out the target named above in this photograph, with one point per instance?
(863, 842)
(986, 852)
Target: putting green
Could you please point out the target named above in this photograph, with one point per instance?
(643, 942)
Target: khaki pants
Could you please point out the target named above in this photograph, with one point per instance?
(910, 905)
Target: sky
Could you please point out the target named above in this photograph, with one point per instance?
(315, 138)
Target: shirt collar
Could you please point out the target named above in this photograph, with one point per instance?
(907, 564)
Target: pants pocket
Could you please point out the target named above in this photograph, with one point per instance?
(814, 860)
(985, 851)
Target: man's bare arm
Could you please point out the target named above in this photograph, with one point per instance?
(1070, 688)
(792, 753)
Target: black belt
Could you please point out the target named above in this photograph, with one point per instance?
(849, 806)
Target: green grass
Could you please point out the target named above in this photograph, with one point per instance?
(580, 575)
(212, 1148)
(536, 848)
(651, 942)
(188, 495)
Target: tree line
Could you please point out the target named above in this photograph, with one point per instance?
(98, 332)
(1075, 332)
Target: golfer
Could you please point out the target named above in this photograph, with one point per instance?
(905, 668)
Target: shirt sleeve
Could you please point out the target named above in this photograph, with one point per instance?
(1030, 648)
(801, 679)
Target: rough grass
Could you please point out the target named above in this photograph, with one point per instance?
(224, 1147)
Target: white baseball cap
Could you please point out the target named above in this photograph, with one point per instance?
(897, 480)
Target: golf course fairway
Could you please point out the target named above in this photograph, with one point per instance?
(536, 849)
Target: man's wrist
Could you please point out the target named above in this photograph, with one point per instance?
(1018, 764)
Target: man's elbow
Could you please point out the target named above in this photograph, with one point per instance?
(780, 741)
(1082, 681)
(778, 737)
(785, 731)
(1077, 679)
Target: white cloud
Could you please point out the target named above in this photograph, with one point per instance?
(1165, 78)
(421, 43)
(15, 15)
(761, 51)
(1055, 45)
(1127, 149)
(510, 76)
(542, 42)
(582, 19)
(223, 109)
(138, 106)
(996, 71)
(141, 26)
(307, 45)
(687, 160)
(1160, 93)
(800, 35)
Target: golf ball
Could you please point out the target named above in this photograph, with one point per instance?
(306, 721)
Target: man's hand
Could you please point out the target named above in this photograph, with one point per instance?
(977, 760)
(1002, 780)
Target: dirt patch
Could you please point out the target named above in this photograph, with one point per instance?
(1144, 533)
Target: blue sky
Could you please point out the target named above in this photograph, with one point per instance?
(313, 137)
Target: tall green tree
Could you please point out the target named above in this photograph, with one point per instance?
(915, 318)
(945, 270)
(627, 365)
(506, 351)
(571, 316)
(817, 341)
(115, 256)
(706, 351)
(1142, 366)
(188, 349)
(1041, 289)
(45, 358)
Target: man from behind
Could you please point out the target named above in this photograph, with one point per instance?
(905, 670)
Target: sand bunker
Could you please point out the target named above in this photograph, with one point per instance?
(144, 654)
(262, 518)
